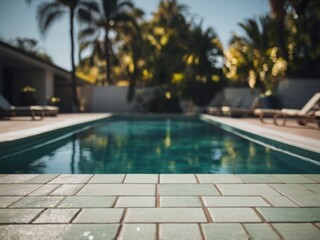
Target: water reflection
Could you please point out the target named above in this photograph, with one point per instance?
(161, 146)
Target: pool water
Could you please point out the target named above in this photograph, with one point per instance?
(164, 145)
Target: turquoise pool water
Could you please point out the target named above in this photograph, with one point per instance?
(154, 145)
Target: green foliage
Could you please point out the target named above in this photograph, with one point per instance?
(100, 25)
(255, 57)
(285, 44)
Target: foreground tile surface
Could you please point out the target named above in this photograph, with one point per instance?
(91, 231)
(96, 215)
(298, 231)
(17, 189)
(261, 231)
(87, 202)
(34, 232)
(56, 216)
(179, 231)
(234, 215)
(221, 201)
(37, 202)
(290, 214)
(138, 231)
(18, 215)
(153, 206)
(187, 189)
(165, 215)
(118, 189)
(224, 231)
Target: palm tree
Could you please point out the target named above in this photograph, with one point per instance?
(203, 78)
(50, 12)
(166, 41)
(130, 50)
(113, 13)
(255, 56)
(278, 13)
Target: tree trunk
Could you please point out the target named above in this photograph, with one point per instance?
(278, 13)
(75, 102)
(108, 62)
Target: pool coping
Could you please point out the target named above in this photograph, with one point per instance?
(289, 143)
(23, 139)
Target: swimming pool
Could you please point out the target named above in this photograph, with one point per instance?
(160, 144)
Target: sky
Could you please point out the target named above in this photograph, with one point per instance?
(18, 19)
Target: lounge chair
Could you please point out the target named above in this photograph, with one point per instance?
(246, 107)
(7, 111)
(240, 107)
(48, 110)
(308, 113)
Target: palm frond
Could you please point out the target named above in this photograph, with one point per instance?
(47, 13)
(89, 32)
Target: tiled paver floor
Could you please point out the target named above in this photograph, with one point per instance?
(155, 206)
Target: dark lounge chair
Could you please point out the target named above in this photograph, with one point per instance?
(8, 111)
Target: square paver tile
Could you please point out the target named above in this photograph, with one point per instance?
(234, 215)
(261, 231)
(87, 202)
(219, 178)
(246, 189)
(180, 201)
(165, 215)
(310, 200)
(314, 177)
(33, 231)
(45, 189)
(67, 189)
(187, 189)
(293, 178)
(17, 189)
(177, 178)
(298, 231)
(224, 231)
(179, 231)
(7, 201)
(290, 189)
(72, 178)
(99, 215)
(138, 232)
(222, 201)
(91, 232)
(16, 178)
(141, 178)
(18, 215)
(259, 178)
(107, 178)
(136, 202)
(280, 201)
(37, 202)
(56, 216)
(118, 189)
(290, 214)
(43, 178)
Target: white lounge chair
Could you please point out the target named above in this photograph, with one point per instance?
(307, 113)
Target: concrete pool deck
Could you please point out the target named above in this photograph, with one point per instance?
(160, 206)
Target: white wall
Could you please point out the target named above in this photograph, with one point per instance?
(49, 87)
(110, 99)
(294, 93)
